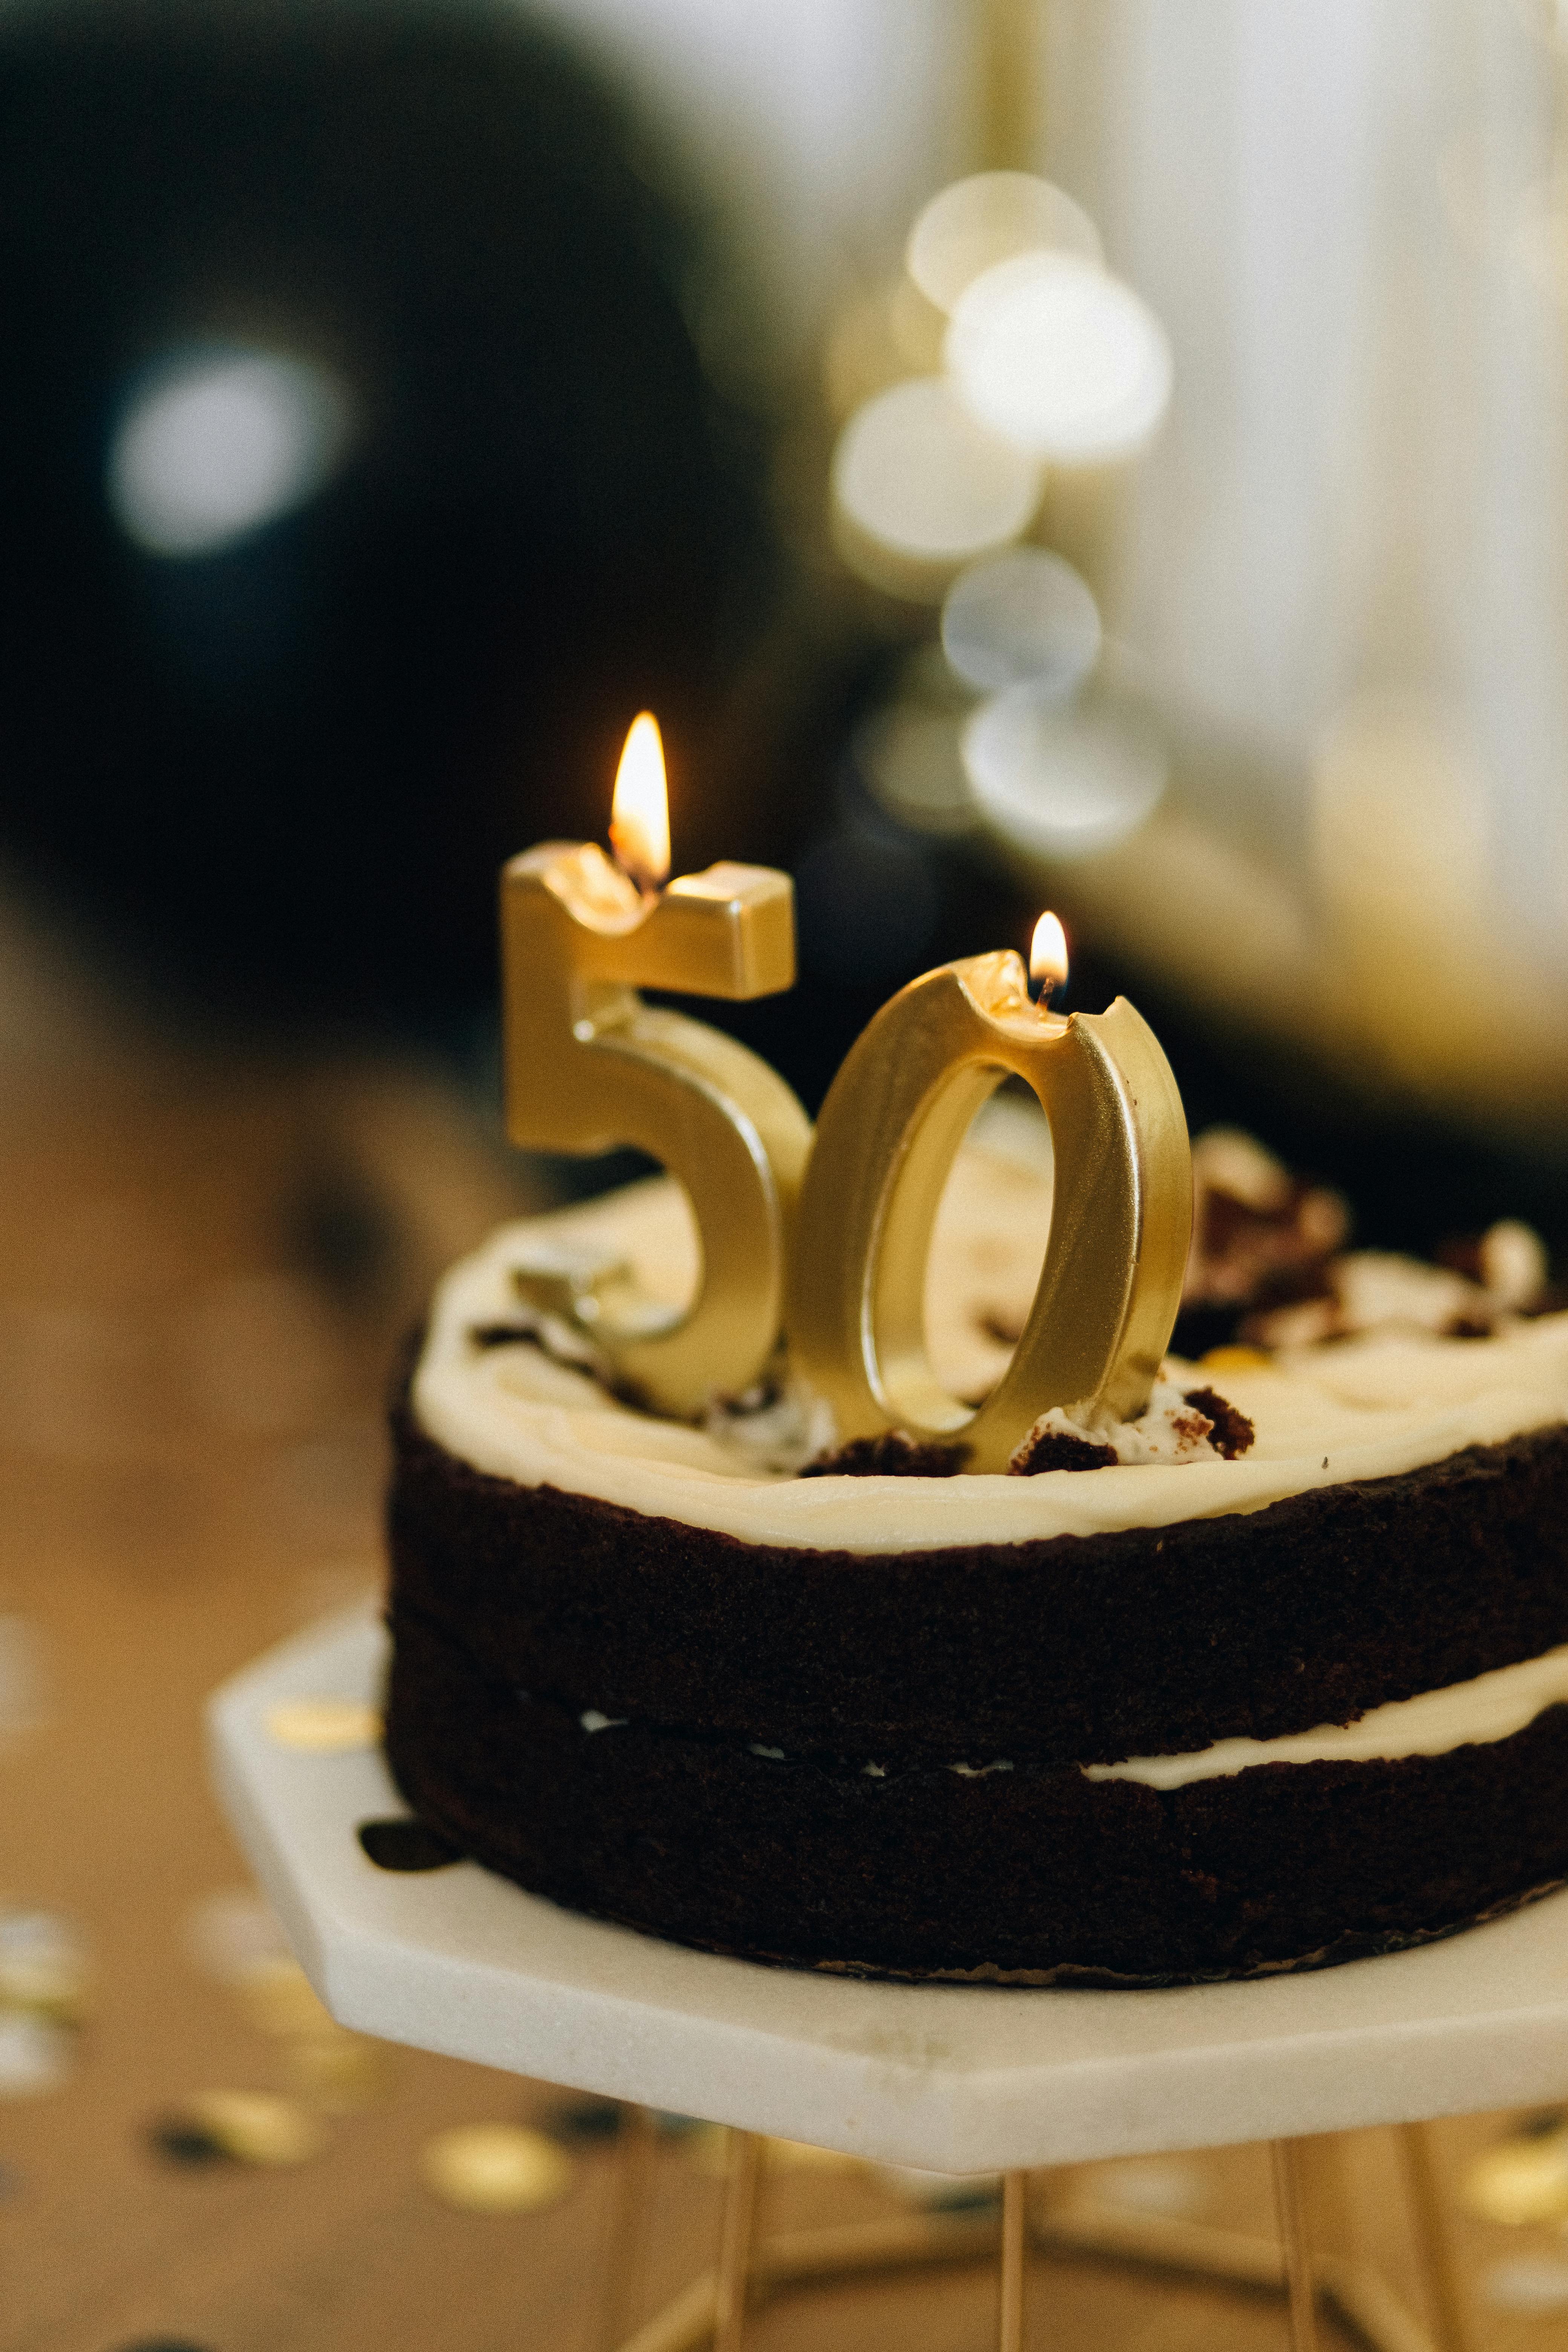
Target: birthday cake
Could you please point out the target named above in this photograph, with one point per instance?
(1271, 1677)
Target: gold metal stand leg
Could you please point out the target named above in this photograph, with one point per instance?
(736, 2245)
(1325, 2196)
(1010, 2298)
(1433, 2239)
(627, 2249)
(1298, 2282)
(1067, 2224)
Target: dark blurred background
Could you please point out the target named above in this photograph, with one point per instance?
(280, 763)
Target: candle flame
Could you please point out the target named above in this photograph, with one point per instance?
(1049, 955)
(639, 813)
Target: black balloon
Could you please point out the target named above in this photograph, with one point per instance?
(287, 769)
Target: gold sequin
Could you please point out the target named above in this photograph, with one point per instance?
(1520, 2180)
(255, 2126)
(495, 2168)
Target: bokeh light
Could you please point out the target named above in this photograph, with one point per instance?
(1059, 358)
(908, 755)
(214, 446)
(978, 222)
(919, 488)
(1021, 615)
(1062, 780)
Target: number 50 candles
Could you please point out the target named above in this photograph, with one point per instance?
(830, 1237)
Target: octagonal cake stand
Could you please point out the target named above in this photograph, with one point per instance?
(956, 2078)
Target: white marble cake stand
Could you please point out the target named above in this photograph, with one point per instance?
(951, 2078)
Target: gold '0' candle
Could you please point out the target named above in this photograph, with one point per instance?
(1121, 1217)
(590, 1066)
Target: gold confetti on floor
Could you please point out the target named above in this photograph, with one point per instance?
(1520, 2180)
(36, 2054)
(495, 2168)
(255, 2126)
(44, 1964)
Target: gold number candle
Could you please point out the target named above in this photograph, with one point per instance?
(1120, 1217)
(590, 1066)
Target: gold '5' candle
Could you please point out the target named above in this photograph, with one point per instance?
(589, 1066)
(1120, 1217)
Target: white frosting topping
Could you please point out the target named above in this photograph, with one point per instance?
(1492, 1706)
(1168, 1430)
(1367, 1407)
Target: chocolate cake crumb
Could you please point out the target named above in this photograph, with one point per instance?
(1054, 1449)
(400, 1842)
(1232, 1433)
(889, 1456)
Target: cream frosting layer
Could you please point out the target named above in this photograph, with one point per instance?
(1492, 1707)
(1363, 1408)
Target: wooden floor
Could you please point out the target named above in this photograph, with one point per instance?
(204, 1273)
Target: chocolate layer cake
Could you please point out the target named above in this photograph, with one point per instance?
(1275, 1677)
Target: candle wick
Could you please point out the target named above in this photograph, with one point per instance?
(647, 891)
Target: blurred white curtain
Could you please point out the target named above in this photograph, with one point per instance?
(1347, 217)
